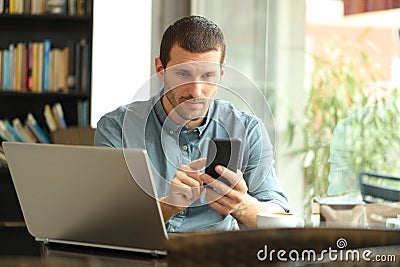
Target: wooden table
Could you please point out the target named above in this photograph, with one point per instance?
(241, 248)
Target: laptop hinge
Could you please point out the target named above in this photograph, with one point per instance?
(154, 253)
(45, 241)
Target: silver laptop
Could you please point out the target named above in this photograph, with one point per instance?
(86, 195)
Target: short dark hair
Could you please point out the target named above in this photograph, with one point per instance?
(195, 34)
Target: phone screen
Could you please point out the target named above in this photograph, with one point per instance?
(223, 152)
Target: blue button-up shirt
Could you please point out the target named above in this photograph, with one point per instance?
(145, 124)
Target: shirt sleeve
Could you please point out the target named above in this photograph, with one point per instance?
(259, 171)
(108, 132)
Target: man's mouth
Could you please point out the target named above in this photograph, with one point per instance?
(193, 103)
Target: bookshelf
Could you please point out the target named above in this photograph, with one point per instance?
(62, 30)
(19, 104)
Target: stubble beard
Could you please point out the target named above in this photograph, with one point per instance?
(186, 113)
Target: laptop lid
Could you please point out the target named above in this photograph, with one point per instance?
(87, 195)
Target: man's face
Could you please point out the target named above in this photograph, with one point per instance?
(190, 83)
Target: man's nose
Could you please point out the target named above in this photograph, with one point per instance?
(196, 89)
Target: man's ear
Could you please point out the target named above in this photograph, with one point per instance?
(222, 71)
(159, 68)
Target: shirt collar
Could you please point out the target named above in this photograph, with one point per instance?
(209, 115)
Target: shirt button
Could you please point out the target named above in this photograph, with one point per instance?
(185, 147)
(171, 132)
(172, 230)
(182, 213)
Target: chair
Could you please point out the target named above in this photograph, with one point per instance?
(73, 136)
(378, 188)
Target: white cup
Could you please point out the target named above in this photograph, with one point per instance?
(393, 223)
(278, 220)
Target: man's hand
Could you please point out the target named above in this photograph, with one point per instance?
(234, 199)
(221, 197)
(185, 188)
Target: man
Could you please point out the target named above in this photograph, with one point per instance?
(173, 127)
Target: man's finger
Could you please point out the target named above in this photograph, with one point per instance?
(190, 179)
(219, 186)
(197, 164)
(180, 189)
(232, 177)
(212, 195)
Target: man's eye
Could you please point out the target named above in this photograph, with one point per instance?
(209, 75)
(183, 74)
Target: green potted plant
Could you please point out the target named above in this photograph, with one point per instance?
(344, 83)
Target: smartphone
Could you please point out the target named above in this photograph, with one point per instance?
(225, 152)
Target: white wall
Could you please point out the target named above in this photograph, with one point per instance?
(121, 61)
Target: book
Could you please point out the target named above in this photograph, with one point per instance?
(79, 112)
(19, 6)
(12, 7)
(6, 7)
(89, 7)
(80, 7)
(72, 7)
(15, 67)
(40, 67)
(27, 6)
(12, 131)
(36, 7)
(71, 67)
(3, 160)
(21, 51)
(30, 133)
(63, 74)
(36, 129)
(21, 131)
(6, 70)
(19, 66)
(52, 87)
(46, 64)
(57, 71)
(83, 113)
(58, 114)
(85, 63)
(35, 66)
(4, 133)
(43, 9)
(16, 6)
(49, 117)
(66, 54)
(30, 64)
(23, 64)
(26, 69)
(11, 63)
(78, 66)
